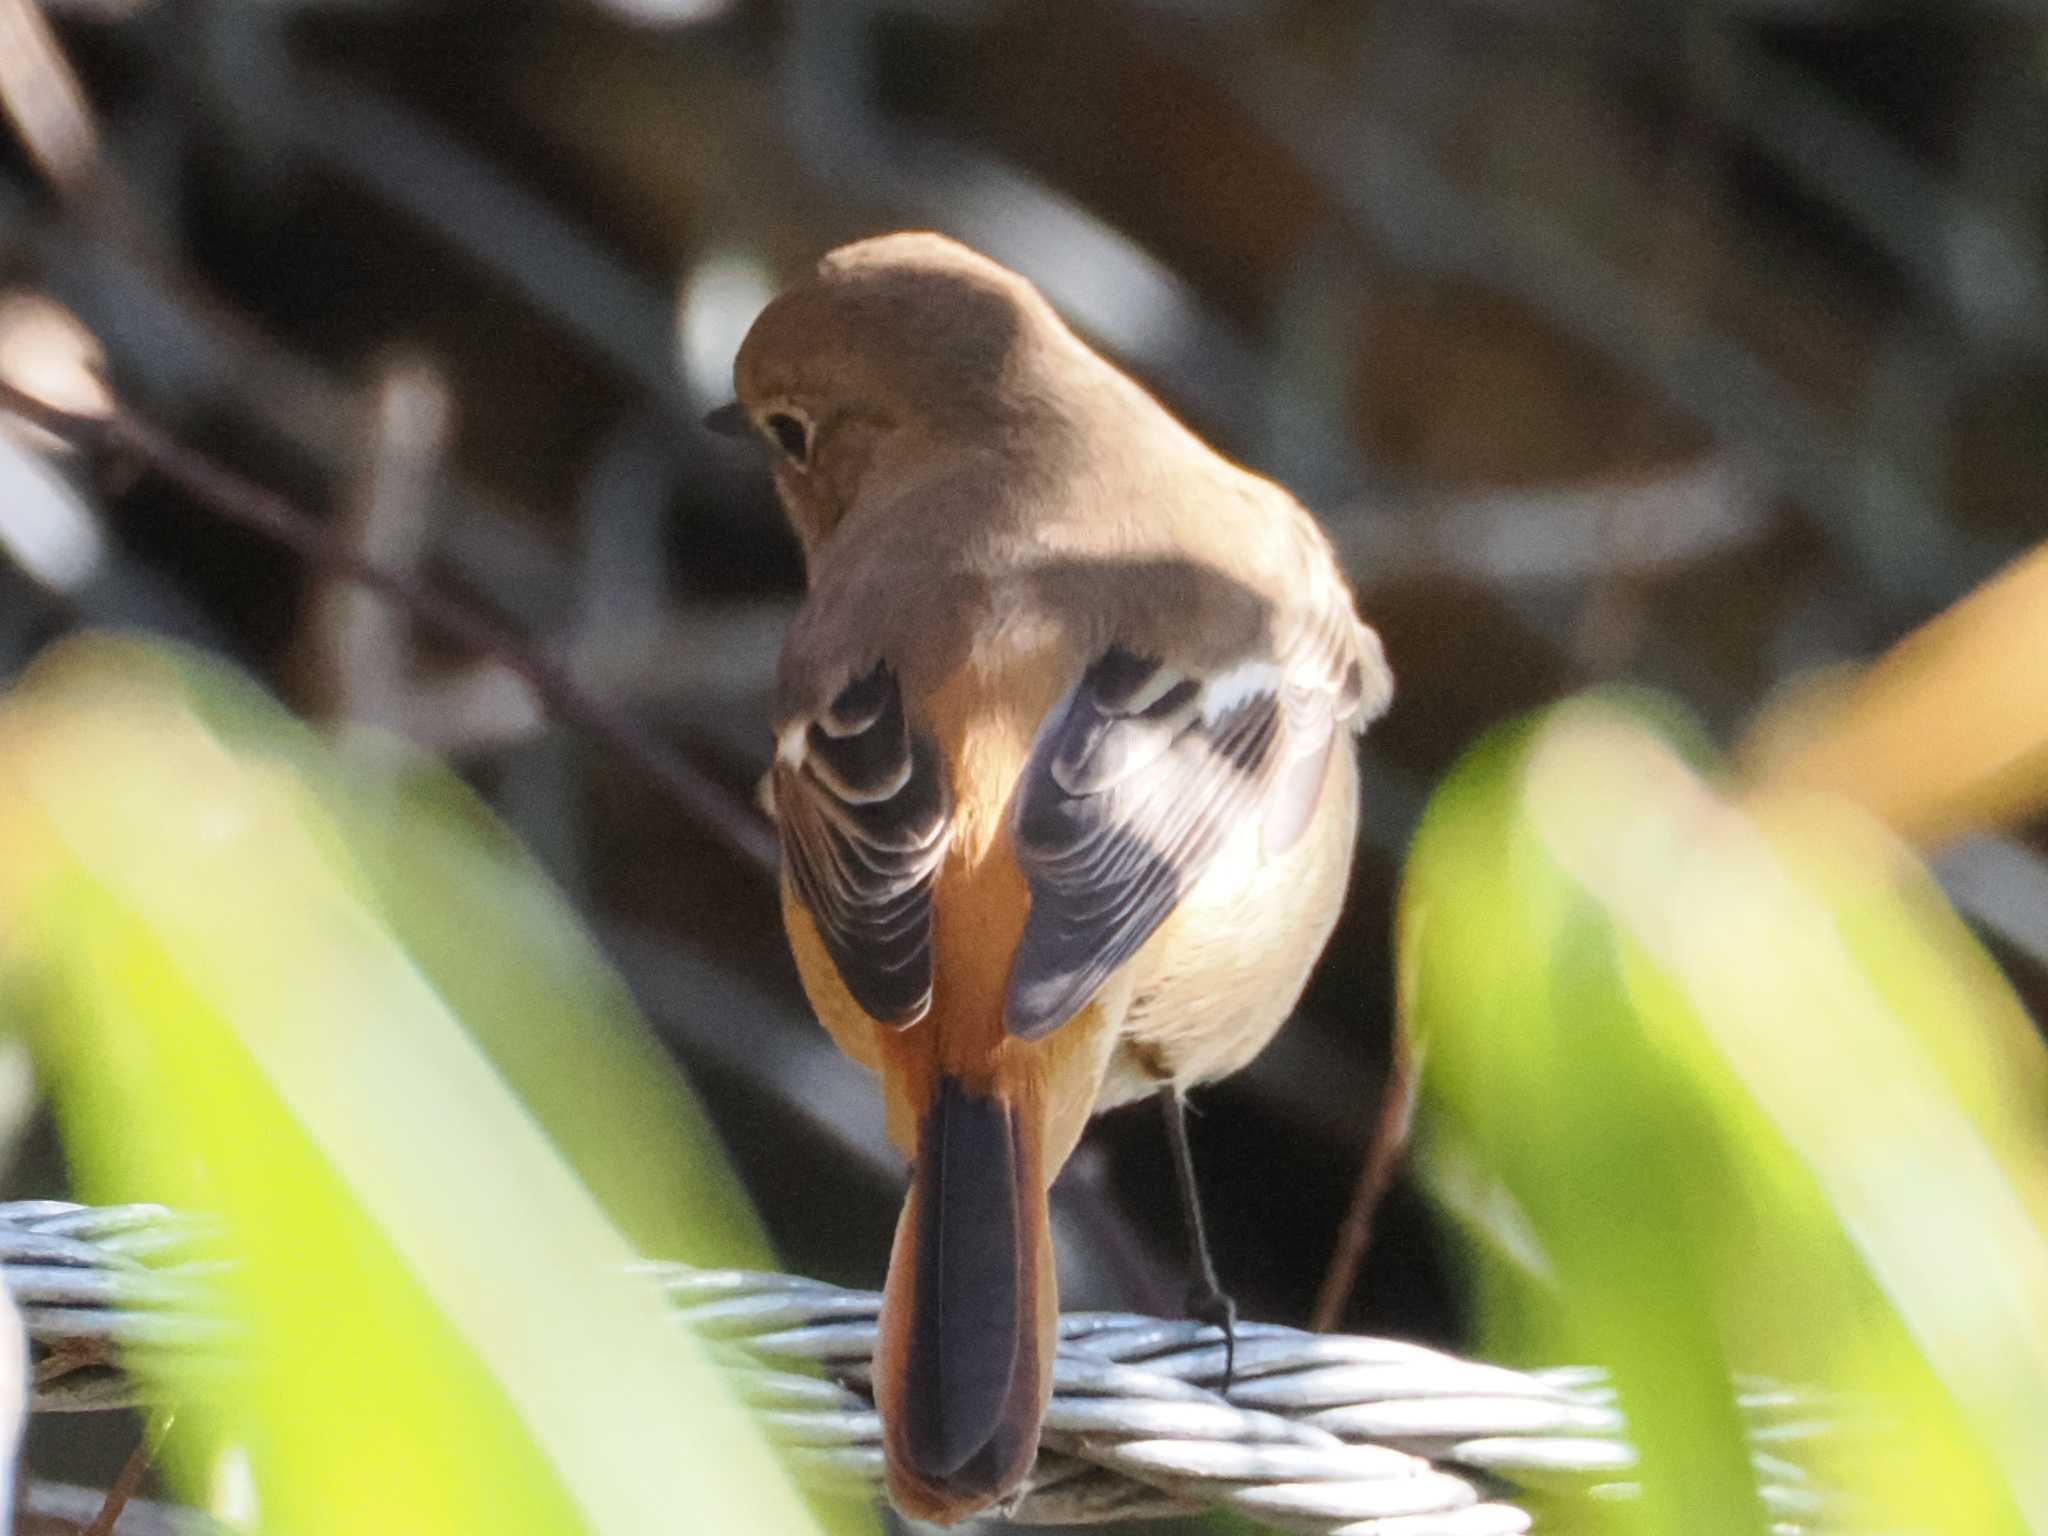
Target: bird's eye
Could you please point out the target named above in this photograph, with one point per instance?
(792, 434)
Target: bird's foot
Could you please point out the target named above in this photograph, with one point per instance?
(1207, 1303)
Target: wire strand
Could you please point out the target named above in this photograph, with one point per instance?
(1327, 1434)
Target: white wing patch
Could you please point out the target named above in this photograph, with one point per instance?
(1232, 690)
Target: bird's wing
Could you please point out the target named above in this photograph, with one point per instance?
(1139, 775)
(861, 807)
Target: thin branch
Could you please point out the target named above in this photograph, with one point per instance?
(356, 661)
(226, 495)
(126, 1484)
(1354, 1233)
(41, 96)
(63, 1509)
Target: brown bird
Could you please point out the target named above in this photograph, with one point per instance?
(1063, 778)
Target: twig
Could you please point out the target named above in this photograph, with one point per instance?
(62, 1509)
(357, 660)
(226, 495)
(41, 96)
(126, 1484)
(1354, 1233)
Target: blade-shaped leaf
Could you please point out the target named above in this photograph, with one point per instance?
(443, 1331)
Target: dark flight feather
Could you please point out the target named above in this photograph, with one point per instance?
(966, 1331)
(863, 822)
(1132, 788)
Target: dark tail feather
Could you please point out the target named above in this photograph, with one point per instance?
(967, 1317)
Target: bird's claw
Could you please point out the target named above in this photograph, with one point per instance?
(1208, 1304)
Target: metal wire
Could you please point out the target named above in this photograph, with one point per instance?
(1318, 1433)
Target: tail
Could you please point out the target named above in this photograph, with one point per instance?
(964, 1366)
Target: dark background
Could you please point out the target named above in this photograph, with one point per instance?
(1688, 345)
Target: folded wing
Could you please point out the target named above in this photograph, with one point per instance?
(860, 801)
(1138, 778)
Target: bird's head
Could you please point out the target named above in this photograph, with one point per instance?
(895, 355)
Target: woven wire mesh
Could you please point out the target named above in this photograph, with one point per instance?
(1329, 1434)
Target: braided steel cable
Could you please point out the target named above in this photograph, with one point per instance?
(1319, 1433)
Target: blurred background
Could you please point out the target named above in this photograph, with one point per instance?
(1694, 345)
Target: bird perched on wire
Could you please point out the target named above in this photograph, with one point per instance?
(1063, 779)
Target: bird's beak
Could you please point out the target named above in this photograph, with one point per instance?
(730, 420)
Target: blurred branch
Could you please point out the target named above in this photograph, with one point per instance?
(1978, 269)
(42, 98)
(356, 660)
(1383, 1155)
(693, 1000)
(2003, 884)
(60, 1509)
(181, 345)
(725, 815)
(1394, 193)
(381, 143)
(127, 1482)
(1698, 510)
(1947, 733)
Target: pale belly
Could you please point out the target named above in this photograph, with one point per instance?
(1221, 976)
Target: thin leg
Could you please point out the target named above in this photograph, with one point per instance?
(1207, 1302)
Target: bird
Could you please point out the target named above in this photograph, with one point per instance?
(1064, 784)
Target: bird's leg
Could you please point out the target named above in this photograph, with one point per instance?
(1207, 1302)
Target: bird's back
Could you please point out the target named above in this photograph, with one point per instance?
(991, 617)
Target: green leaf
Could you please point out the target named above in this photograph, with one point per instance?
(1759, 1104)
(261, 996)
